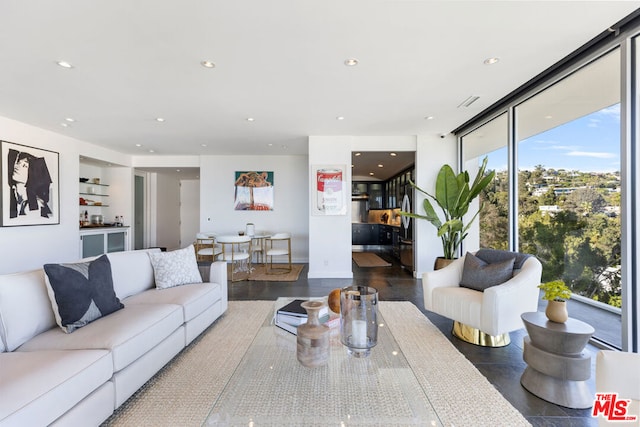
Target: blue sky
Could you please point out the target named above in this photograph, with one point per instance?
(589, 144)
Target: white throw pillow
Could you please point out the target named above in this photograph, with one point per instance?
(175, 268)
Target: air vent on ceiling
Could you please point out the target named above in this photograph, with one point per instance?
(470, 100)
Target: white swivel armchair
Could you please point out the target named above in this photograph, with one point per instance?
(618, 372)
(485, 317)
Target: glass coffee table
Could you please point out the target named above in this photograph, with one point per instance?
(269, 386)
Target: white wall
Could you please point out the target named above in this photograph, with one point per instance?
(329, 236)
(24, 248)
(291, 209)
(431, 154)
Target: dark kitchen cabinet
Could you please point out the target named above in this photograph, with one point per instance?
(384, 234)
(364, 234)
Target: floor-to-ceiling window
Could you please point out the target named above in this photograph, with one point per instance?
(566, 202)
(490, 140)
(568, 163)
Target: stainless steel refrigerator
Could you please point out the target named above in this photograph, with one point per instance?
(406, 230)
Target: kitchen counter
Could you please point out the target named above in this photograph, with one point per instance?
(93, 227)
(379, 223)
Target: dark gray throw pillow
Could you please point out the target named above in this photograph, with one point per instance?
(496, 255)
(81, 293)
(480, 275)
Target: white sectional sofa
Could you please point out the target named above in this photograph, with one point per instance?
(49, 377)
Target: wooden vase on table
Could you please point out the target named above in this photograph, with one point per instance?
(313, 337)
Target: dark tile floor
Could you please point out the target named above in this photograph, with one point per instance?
(502, 366)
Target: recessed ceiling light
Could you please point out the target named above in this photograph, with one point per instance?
(203, 145)
(159, 119)
(351, 62)
(392, 154)
(371, 173)
(429, 118)
(358, 154)
(138, 145)
(490, 61)
(270, 145)
(177, 170)
(548, 117)
(380, 165)
(250, 119)
(70, 120)
(152, 151)
(64, 64)
(208, 64)
(64, 125)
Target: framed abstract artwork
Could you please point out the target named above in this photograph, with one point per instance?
(30, 186)
(253, 191)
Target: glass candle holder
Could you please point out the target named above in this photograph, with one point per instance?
(359, 319)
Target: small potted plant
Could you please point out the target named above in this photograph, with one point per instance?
(557, 294)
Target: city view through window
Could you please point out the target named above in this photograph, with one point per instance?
(568, 203)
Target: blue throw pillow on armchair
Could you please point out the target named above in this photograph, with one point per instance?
(81, 293)
(480, 275)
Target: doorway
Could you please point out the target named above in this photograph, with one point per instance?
(139, 213)
(380, 189)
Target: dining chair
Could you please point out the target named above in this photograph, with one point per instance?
(236, 251)
(278, 244)
(258, 245)
(206, 247)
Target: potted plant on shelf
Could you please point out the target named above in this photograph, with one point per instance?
(453, 196)
(557, 294)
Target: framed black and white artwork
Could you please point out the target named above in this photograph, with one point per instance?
(30, 186)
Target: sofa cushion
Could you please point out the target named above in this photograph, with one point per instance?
(81, 292)
(25, 309)
(193, 298)
(132, 272)
(128, 333)
(38, 387)
(175, 268)
(480, 275)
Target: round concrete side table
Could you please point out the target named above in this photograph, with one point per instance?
(557, 369)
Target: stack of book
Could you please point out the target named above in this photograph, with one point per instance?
(293, 315)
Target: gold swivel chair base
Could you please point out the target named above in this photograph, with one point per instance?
(475, 336)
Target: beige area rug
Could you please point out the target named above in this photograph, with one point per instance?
(259, 272)
(367, 259)
(183, 392)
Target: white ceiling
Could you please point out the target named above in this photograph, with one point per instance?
(280, 62)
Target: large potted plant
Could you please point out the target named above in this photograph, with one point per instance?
(454, 196)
